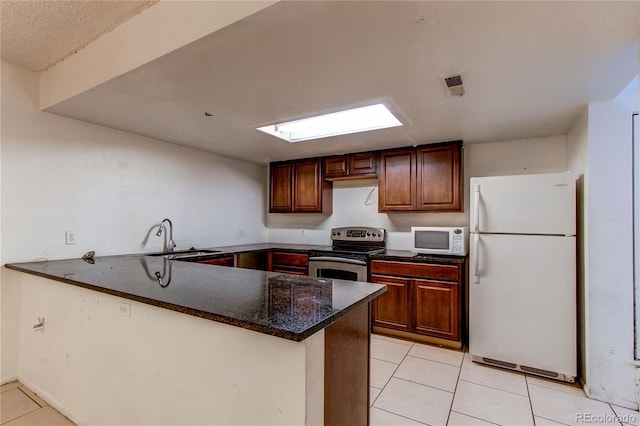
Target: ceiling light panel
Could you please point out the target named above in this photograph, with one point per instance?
(355, 120)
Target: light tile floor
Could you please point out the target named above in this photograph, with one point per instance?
(416, 384)
(20, 406)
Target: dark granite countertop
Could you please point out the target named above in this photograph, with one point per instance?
(288, 306)
(409, 256)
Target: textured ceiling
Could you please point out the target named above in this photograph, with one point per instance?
(37, 34)
(528, 68)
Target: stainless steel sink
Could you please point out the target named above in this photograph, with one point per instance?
(185, 254)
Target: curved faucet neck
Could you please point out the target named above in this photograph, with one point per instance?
(171, 244)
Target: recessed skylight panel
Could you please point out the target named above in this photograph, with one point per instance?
(362, 119)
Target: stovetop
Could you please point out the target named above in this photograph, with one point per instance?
(353, 241)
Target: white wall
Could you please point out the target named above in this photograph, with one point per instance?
(111, 189)
(353, 206)
(609, 263)
(577, 160)
(150, 34)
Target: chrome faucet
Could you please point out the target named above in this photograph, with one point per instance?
(171, 244)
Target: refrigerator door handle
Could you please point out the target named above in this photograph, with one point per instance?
(476, 225)
(476, 263)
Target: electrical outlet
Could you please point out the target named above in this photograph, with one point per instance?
(125, 310)
(69, 237)
(241, 232)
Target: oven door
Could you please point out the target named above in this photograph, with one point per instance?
(338, 268)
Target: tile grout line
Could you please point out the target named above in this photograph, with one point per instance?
(29, 396)
(455, 389)
(615, 414)
(426, 386)
(498, 389)
(583, 395)
(387, 382)
(433, 360)
(400, 415)
(551, 420)
(25, 414)
(473, 417)
(396, 369)
(533, 416)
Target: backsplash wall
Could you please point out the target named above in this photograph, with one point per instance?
(355, 202)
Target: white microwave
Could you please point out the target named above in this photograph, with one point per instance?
(440, 240)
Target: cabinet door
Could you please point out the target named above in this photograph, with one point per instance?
(334, 167)
(397, 180)
(308, 187)
(392, 309)
(439, 177)
(436, 308)
(281, 184)
(363, 164)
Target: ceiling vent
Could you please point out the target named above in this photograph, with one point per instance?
(453, 85)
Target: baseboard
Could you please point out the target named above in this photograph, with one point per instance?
(451, 344)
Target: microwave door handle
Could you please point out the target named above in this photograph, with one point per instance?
(476, 263)
(476, 194)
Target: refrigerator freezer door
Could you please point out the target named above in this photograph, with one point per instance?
(525, 204)
(523, 309)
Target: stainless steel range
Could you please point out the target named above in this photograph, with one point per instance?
(348, 257)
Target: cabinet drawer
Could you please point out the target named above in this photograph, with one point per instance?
(280, 258)
(286, 269)
(222, 261)
(419, 270)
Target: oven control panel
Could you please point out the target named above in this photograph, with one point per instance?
(359, 233)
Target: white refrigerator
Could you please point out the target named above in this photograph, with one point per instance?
(522, 275)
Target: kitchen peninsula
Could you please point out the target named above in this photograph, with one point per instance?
(141, 339)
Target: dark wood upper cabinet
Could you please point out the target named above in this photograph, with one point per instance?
(426, 178)
(397, 180)
(350, 166)
(297, 186)
(335, 167)
(439, 177)
(363, 164)
(280, 195)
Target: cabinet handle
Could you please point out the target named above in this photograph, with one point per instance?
(476, 263)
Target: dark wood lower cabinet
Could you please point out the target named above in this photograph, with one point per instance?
(423, 301)
(392, 308)
(221, 261)
(288, 263)
(436, 308)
